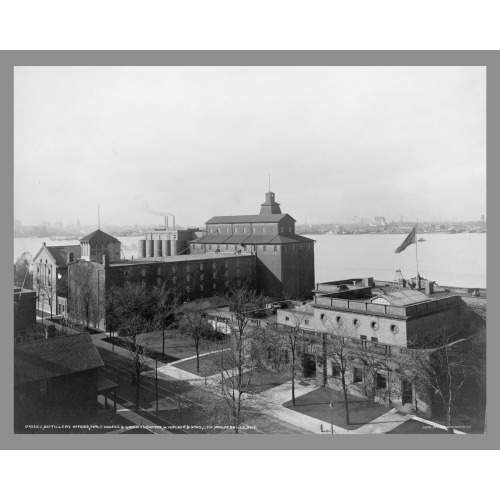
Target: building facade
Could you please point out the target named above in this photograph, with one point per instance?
(284, 259)
(50, 270)
(384, 326)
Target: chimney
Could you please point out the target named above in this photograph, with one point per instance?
(429, 287)
(369, 282)
(173, 217)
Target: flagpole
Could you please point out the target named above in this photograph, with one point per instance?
(416, 247)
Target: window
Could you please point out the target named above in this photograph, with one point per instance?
(201, 287)
(202, 277)
(306, 322)
(236, 230)
(363, 337)
(335, 369)
(226, 274)
(188, 289)
(264, 248)
(255, 248)
(215, 286)
(323, 317)
(289, 229)
(263, 230)
(356, 322)
(201, 267)
(394, 328)
(374, 325)
(281, 230)
(143, 272)
(48, 271)
(210, 247)
(214, 266)
(381, 381)
(188, 268)
(338, 319)
(374, 339)
(245, 230)
(174, 269)
(227, 230)
(214, 275)
(174, 280)
(193, 246)
(357, 375)
(273, 230)
(287, 318)
(275, 248)
(227, 247)
(188, 278)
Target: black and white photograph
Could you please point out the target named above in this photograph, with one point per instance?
(250, 250)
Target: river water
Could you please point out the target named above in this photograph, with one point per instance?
(449, 259)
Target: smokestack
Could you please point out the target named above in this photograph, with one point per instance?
(173, 217)
(165, 221)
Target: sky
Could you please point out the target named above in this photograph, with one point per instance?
(339, 143)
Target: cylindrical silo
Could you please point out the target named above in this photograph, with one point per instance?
(175, 247)
(166, 248)
(142, 249)
(157, 248)
(150, 248)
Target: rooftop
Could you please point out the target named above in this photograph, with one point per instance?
(247, 219)
(99, 235)
(178, 258)
(54, 357)
(252, 239)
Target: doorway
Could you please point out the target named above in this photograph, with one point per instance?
(407, 396)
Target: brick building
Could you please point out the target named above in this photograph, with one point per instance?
(383, 323)
(50, 276)
(284, 259)
(191, 276)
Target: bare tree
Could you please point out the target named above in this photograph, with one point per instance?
(165, 302)
(340, 349)
(23, 276)
(236, 362)
(443, 368)
(192, 322)
(139, 353)
(288, 341)
(83, 296)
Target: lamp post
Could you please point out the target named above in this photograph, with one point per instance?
(156, 377)
(331, 406)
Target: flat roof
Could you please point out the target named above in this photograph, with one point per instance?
(178, 258)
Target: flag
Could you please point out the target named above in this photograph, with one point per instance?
(411, 238)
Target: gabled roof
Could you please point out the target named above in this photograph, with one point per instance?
(247, 219)
(252, 239)
(49, 358)
(59, 254)
(99, 235)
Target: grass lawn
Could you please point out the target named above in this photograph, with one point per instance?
(317, 404)
(176, 346)
(208, 365)
(262, 379)
(416, 427)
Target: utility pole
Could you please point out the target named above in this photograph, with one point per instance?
(156, 376)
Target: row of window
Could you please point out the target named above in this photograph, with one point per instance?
(254, 230)
(357, 376)
(293, 246)
(357, 323)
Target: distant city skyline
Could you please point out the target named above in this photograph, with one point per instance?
(340, 143)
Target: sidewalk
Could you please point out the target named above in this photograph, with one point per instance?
(271, 400)
(135, 419)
